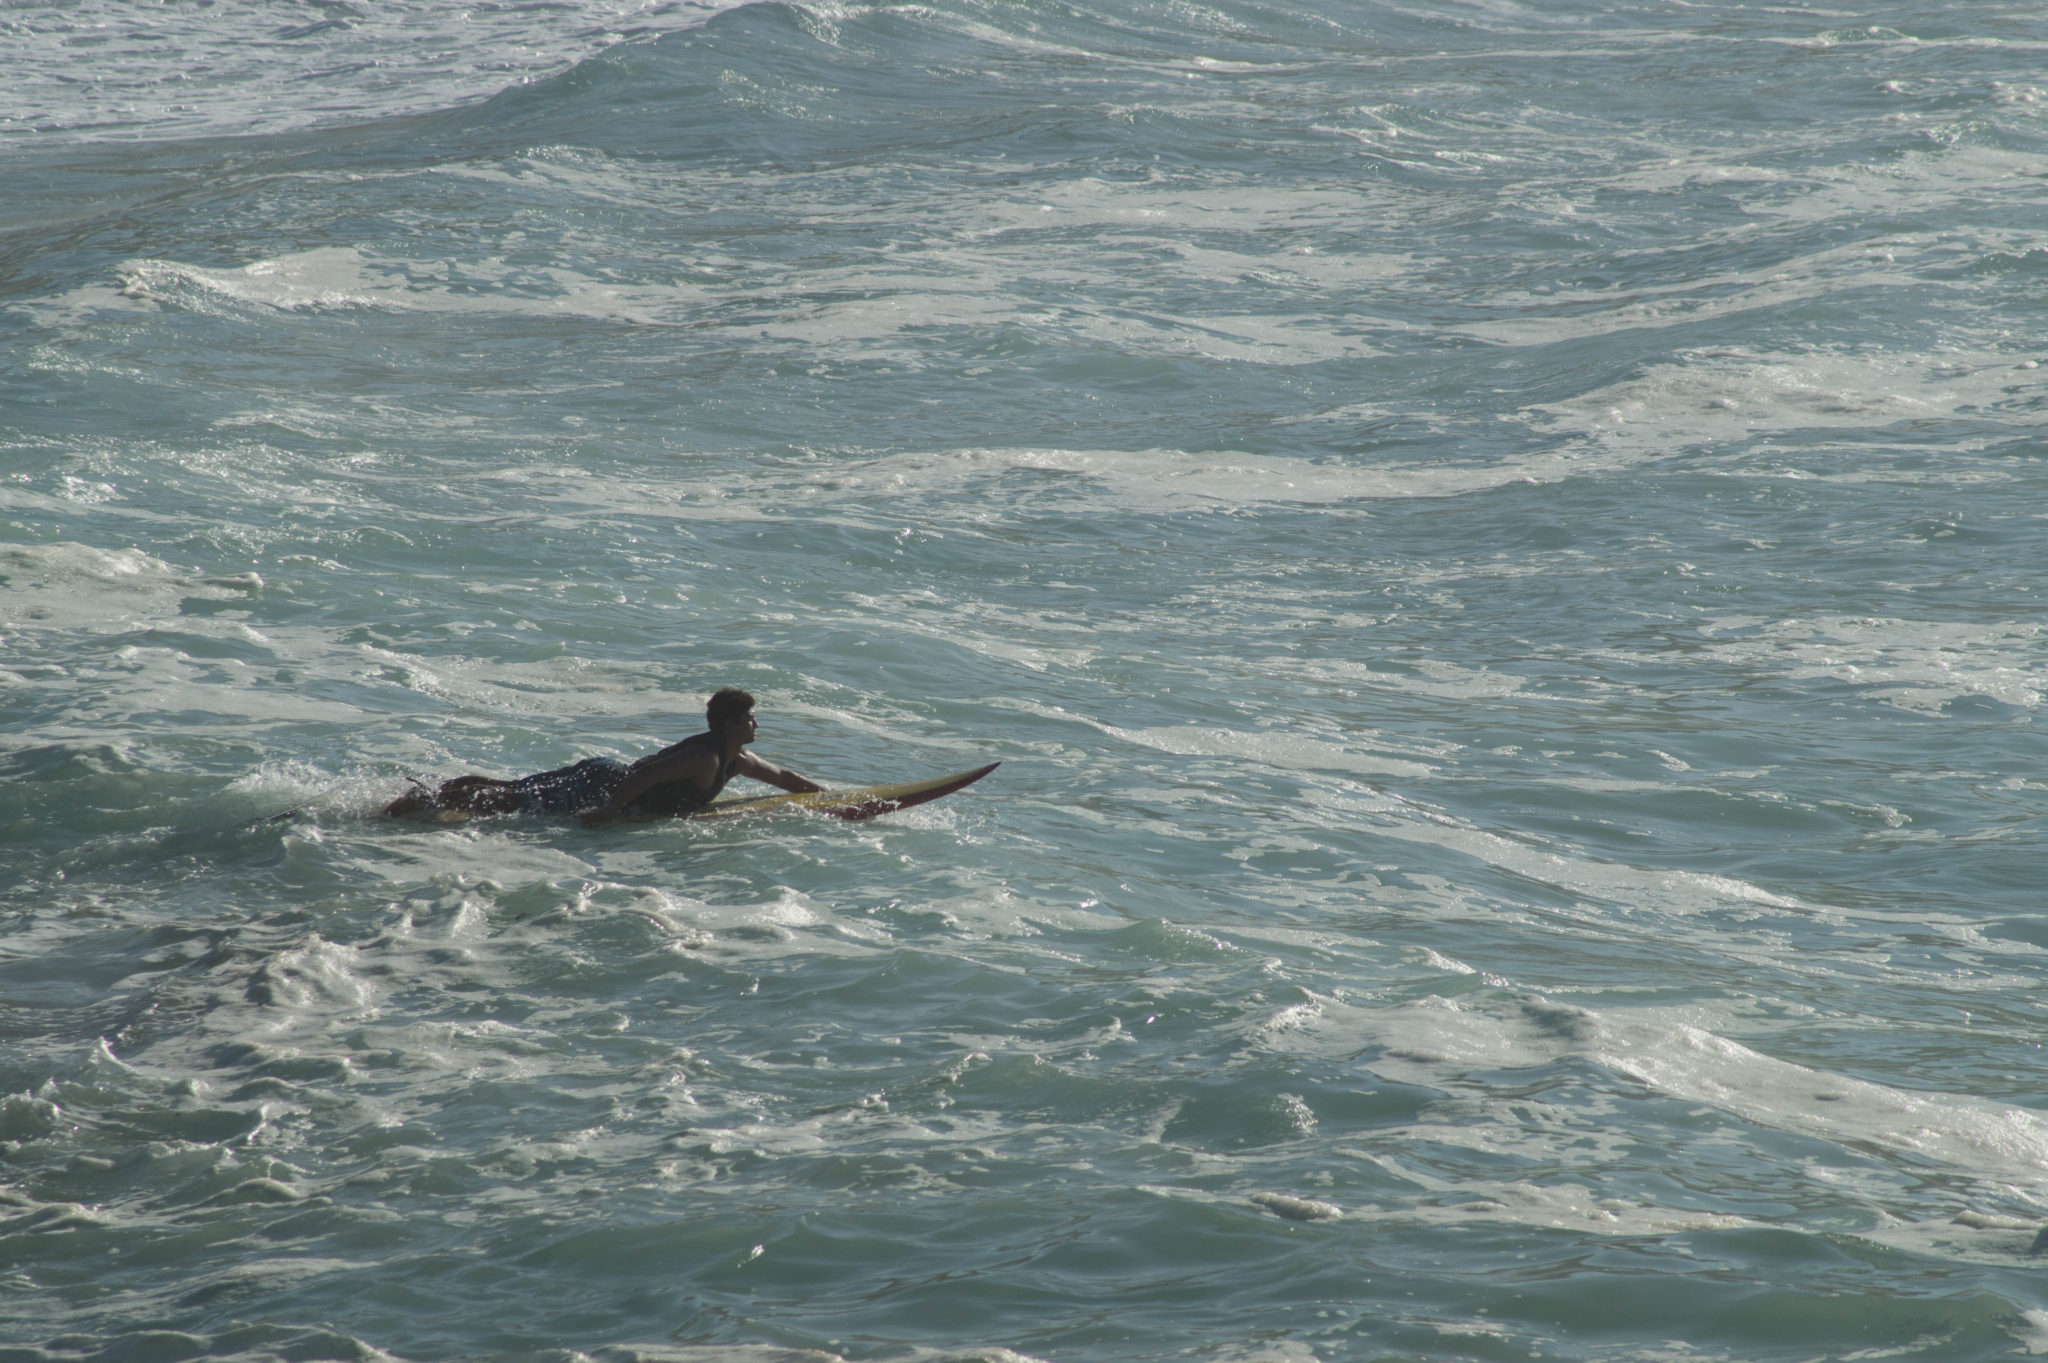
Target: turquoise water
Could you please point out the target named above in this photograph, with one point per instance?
(1500, 549)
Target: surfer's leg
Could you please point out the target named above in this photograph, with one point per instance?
(565, 790)
(573, 789)
(600, 776)
(478, 795)
(415, 802)
(464, 794)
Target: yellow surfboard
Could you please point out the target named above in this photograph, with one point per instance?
(862, 802)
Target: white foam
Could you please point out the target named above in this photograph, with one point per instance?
(1277, 748)
(1623, 889)
(341, 278)
(1167, 480)
(71, 586)
(1436, 1039)
(320, 976)
(2031, 1330)
(1917, 665)
(179, 71)
(1732, 398)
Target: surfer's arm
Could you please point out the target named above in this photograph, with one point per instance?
(762, 770)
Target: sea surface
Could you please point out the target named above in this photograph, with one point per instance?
(1502, 549)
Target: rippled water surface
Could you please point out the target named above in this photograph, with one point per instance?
(1500, 549)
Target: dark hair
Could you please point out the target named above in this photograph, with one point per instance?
(728, 705)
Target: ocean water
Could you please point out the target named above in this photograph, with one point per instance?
(1500, 548)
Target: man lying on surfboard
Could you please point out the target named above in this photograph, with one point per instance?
(679, 780)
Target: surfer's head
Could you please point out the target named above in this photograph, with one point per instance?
(728, 706)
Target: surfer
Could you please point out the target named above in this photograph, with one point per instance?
(680, 779)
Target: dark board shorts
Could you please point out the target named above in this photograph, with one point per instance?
(570, 790)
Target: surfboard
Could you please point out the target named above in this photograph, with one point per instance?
(862, 802)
